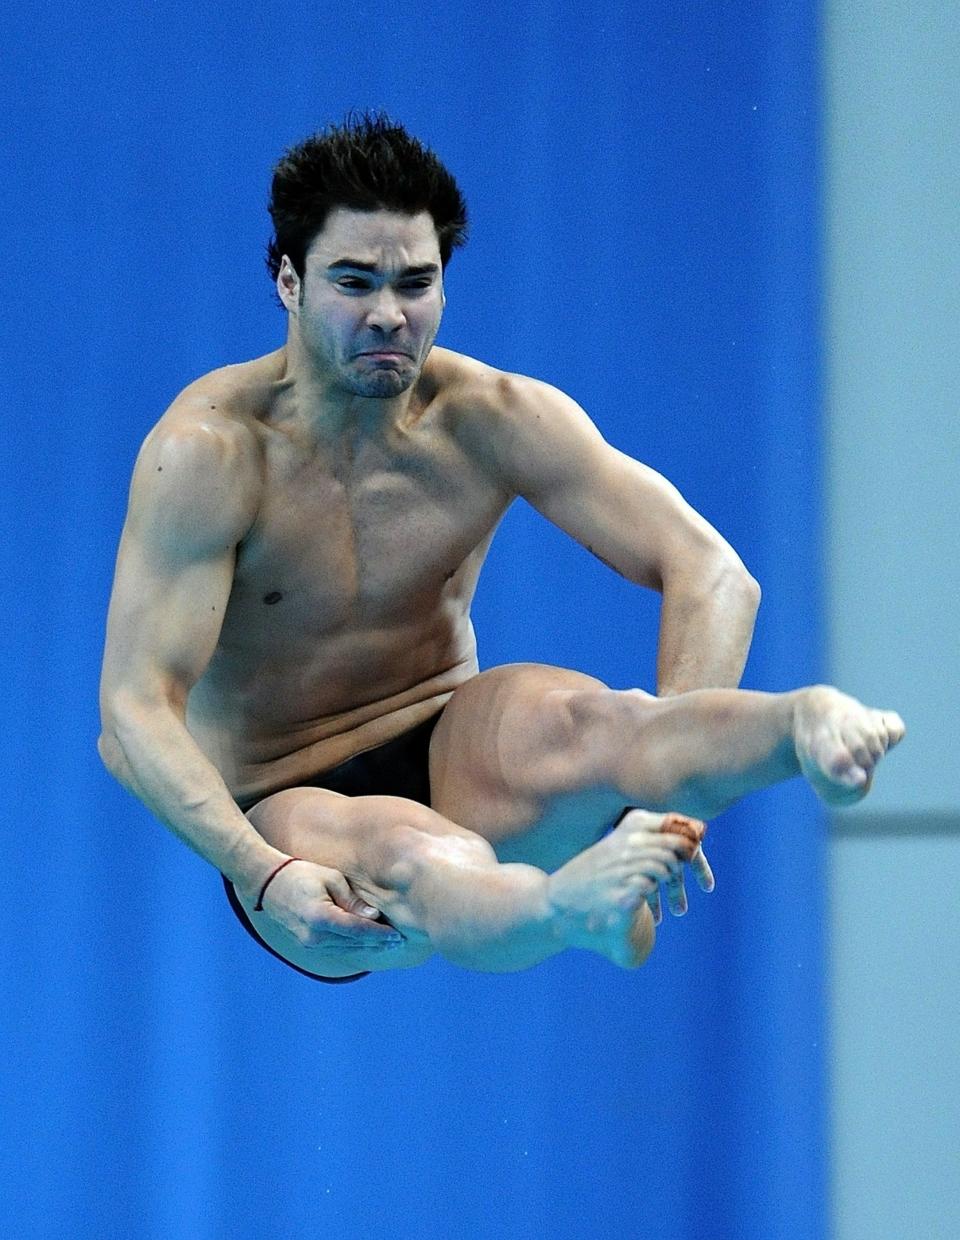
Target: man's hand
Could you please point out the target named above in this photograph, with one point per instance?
(318, 907)
(676, 891)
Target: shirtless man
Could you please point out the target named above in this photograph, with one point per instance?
(291, 670)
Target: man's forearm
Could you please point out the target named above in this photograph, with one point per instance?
(149, 750)
(706, 626)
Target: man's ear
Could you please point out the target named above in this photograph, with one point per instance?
(288, 285)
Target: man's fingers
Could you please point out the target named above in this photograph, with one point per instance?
(676, 890)
(359, 929)
(679, 824)
(694, 830)
(346, 898)
(350, 915)
(683, 837)
(676, 894)
(701, 869)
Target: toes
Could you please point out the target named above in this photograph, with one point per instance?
(846, 770)
(837, 779)
(844, 757)
(869, 738)
(839, 751)
(866, 753)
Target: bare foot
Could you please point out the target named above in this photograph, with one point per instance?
(839, 742)
(601, 893)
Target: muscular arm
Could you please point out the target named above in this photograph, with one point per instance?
(194, 495)
(192, 499)
(637, 522)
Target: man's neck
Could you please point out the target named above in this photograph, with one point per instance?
(327, 412)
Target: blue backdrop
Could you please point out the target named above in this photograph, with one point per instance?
(643, 186)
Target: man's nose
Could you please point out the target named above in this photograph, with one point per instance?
(385, 311)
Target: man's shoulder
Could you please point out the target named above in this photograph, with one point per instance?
(507, 422)
(201, 463)
(221, 410)
(451, 373)
(471, 387)
(238, 392)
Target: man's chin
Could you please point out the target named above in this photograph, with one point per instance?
(382, 384)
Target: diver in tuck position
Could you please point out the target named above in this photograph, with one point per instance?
(290, 680)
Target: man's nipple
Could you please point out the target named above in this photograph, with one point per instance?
(273, 597)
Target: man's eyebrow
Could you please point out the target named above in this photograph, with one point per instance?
(354, 264)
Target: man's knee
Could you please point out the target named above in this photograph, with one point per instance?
(576, 737)
(548, 744)
(413, 862)
(406, 842)
(616, 741)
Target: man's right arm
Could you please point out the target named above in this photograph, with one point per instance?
(194, 495)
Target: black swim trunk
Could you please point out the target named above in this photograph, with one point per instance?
(399, 768)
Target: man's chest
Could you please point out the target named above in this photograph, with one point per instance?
(372, 543)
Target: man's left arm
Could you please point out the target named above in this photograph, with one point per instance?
(636, 521)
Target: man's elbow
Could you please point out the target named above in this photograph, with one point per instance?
(729, 577)
(747, 587)
(124, 720)
(111, 753)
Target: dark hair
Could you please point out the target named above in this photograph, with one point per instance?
(368, 163)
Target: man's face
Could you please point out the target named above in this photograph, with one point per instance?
(371, 299)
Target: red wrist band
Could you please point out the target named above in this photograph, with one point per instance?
(258, 907)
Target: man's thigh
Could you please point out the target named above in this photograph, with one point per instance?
(508, 762)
